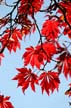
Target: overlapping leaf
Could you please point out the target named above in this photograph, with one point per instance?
(36, 56)
(29, 7)
(11, 40)
(66, 6)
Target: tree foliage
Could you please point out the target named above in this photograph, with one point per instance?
(20, 22)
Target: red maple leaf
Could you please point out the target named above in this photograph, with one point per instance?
(67, 31)
(64, 64)
(36, 56)
(28, 29)
(67, 66)
(49, 49)
(29, 7)
(11, 43)
(50, 29)
(26, 78)
(66, 6)
(68, 92)
(4, 102)
(28, 25)
(49, 81)
(1, 56)
(3, 22)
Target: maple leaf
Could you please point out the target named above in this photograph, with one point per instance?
(28, 29)
(1, 56)
(26, 78)
(68, 92)
(27, 25)
(50, 29)
(67, 66)
(67, 31)
(4, 102)
(59, 48)
(36, 56)
(49, 81)
(49, 49)
(64, 64)
(3, 22)
(66, 7)
(29, 7)
(11, 43)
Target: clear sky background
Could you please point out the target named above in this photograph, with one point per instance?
(9, 87)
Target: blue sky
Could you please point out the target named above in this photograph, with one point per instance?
(30, 99)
